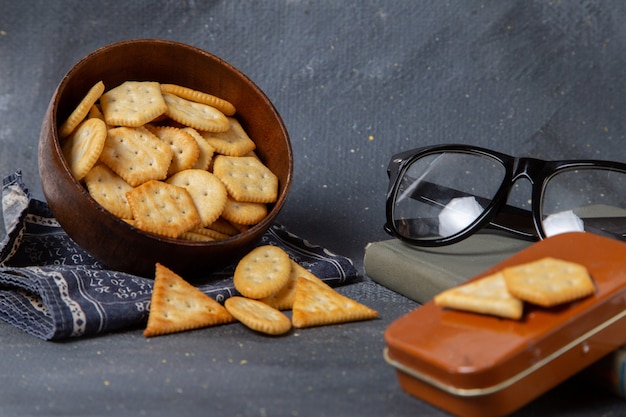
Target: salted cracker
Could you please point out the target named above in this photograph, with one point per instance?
(223, 226)
(162, 208)
(83, 148)
(205, 151)
(133, 103)
(243, 212)
(109, 190)
(185, 150)
(193, 236)
(262, 272)
(233, 142)
(549, 281)
(177, 306)
(204, 233)
(196, 115)
(136, 155)
(317, 304)
(206, 190)
(283, 299)
(95, 112)
(258, 316)
(246, 178)
(187, 93)
(487, 295)
(82, 110)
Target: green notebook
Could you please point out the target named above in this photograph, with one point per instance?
(421, 273)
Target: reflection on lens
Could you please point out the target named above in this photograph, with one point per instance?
(458, 214)
(595, 196)
(565, 221)
(432, 182)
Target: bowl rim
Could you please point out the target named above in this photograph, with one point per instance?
(277, 206)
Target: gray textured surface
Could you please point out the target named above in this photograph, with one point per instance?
(355, 82)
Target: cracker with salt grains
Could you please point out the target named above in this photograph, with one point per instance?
(196, 115)
(549, 281)
(177, 306)
(486, 295)
(246, 178)
(258, 316)
(317, 304)
(232, 142)
(244, 213)
(262, 272)
(133, 103)
(82, 110)
(163, 209)
(185, 150)
(283, 299)
(207, 191)
(205, 151)
(136, 155)
(187, 93)
(83, 148)
(109, 190)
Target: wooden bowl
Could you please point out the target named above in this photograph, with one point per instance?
(112, 241)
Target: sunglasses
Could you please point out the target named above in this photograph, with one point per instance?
(442, 194)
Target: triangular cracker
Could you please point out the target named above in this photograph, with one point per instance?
(487, 295)
(177, 306)
(317, 304)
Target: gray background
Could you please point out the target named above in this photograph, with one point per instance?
(355, 82)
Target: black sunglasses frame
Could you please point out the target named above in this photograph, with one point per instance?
(497, 215)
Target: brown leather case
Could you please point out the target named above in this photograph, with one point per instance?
(474, 365)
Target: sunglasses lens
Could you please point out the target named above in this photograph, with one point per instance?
(443, 194)
(585, 199)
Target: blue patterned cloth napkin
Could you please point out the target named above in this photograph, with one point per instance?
(52, 289)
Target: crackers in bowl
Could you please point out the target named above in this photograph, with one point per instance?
(168, 160)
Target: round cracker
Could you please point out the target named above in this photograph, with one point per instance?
(207, 192)
(185, 150)
(81, 111)
(84, 146)
(257, 315)
(262, 272)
